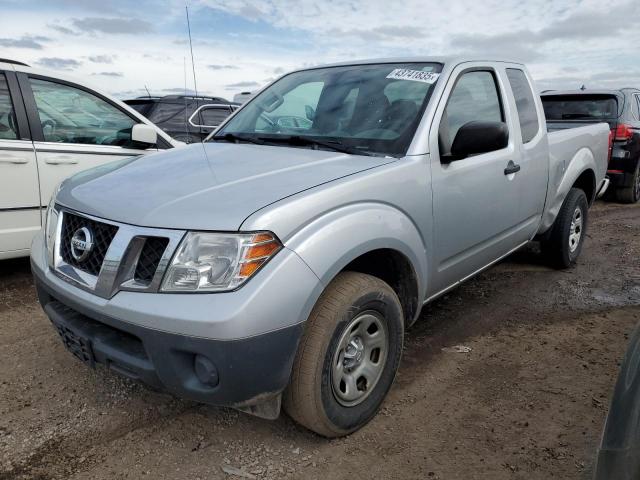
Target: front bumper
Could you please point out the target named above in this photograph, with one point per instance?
(246, 340)
(236, 373)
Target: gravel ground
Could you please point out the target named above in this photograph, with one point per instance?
(526, 402)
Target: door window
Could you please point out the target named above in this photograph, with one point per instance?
(8, 124)
(475, 97)
(211, 116)
(72, 115)
(525, 104)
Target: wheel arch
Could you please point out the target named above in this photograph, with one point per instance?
(376, 239)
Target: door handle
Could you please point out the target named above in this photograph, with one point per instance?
(61, 161)
(511, 168)
(14, 160)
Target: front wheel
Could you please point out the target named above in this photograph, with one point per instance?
(348, 356)
(568, 232)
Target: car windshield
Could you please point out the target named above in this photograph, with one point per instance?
(365, 109)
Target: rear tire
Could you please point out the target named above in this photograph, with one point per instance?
(348, 356)
(630, 194)
(564, 244)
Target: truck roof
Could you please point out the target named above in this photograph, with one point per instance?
(418, 59)
(602, 91)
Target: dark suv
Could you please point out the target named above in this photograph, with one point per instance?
(188, 119)
(621, 110)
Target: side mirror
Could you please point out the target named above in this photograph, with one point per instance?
(479, 137)
(144, 135)
(309, 112)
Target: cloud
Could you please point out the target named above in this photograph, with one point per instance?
(57, 63)
(222, 67)
(237, 85)
(101, 58)
(114, 26)
(109, 74)
(62, 29)
(26, 41)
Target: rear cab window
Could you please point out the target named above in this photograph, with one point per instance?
(525, 104)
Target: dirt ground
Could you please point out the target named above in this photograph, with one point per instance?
(528, 401)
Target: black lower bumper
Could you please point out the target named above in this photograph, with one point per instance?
(229, 373)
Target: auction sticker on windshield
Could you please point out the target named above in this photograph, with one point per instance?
(413, 75)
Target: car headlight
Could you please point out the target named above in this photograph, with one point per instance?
(217, 262)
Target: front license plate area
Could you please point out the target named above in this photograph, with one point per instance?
(76, 344)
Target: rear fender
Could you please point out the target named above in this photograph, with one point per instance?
(561, 179)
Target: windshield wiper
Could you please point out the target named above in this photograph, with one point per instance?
(334, 145)
(233, 138)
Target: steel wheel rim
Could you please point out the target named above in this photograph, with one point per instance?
(575, 231)
(359, 359)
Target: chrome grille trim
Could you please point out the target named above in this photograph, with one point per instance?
(119, 265)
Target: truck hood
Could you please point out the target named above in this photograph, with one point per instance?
(212, 186)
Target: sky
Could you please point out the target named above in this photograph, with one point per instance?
(126, 48)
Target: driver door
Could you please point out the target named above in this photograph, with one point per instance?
(74, 129)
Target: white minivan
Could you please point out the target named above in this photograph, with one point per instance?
(50, 128)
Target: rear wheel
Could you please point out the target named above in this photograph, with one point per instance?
(630, 194)
(348, 356)
(568, 232)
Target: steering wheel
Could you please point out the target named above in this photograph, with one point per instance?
(296, 121)
(11, 120)
(270, 123)
(49, 123)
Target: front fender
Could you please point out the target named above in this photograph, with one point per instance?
(329, 243)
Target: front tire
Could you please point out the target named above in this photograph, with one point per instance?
(568, 232)
(348, 356)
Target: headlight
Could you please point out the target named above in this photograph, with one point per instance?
(216, 262)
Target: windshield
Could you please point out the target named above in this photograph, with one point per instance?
(576, 107)
(367, 109)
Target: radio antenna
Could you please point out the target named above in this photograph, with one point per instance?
(193, 65)
(148, 94)
(186, 102)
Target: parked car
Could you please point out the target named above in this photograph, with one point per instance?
(621, 110)
(618, 454)
(243, 97)
(52, 127)
(188, 119)
(283, 259)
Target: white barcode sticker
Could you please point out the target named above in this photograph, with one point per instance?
(414, 75)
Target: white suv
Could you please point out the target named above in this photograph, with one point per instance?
(50, 128)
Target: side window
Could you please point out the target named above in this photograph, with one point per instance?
(71, 115)
(211, 116)
(525, 103)
(8, 123)
(474, 97)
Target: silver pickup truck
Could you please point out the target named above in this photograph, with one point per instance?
(281, 261)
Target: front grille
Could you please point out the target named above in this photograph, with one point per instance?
(102, 233)
(149, 260)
